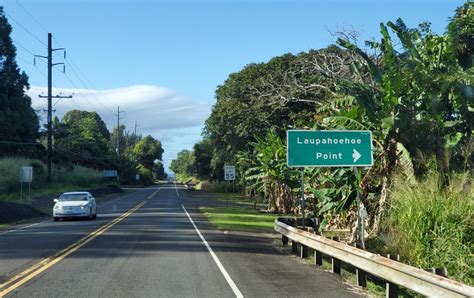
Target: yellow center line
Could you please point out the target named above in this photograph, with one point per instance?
(47, 263)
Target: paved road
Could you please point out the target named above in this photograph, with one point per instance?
(163, 247)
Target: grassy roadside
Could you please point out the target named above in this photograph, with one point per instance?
(239, 219)
(240, 199)
(246, 218)
(45, 191)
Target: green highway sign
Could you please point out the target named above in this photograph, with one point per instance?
(329, 148)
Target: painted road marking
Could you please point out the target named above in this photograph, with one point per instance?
(41, 222)
(47, 263)
(177, 193)
(25, 227)
(214, 256)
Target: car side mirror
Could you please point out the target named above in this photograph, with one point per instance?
(55, 200)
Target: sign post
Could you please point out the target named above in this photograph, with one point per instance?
(330, 148)
(26, 176)
(229, 175)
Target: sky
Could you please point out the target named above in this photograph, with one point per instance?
(161, 61)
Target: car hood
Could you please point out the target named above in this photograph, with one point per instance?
(72, 204)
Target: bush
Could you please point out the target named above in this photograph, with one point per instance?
(77, 175)
(221, 187)
(10, 172)
(146, 176)
(433, 227)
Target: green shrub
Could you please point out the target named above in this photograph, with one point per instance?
(433, 227)
(10, 173)
(220, 187)
(77, 175)
(146, 176)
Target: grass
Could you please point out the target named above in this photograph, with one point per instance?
(431, 227)
(44, 191)
(239, 219)
(240, 199)
(65, 177)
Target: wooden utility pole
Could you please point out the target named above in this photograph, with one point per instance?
(50, 106)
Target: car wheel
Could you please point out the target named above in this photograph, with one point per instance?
(90, 214)
(55, 218)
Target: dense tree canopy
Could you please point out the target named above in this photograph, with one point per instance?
(183, 165)
(147, 151)
(18, 121)
(82, 137)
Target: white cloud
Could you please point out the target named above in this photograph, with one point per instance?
(174, 119)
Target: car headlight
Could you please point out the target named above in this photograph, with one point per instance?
(83, 207)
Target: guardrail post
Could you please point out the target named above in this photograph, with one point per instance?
(360, 274)
(304, 251)
(336, 264)
(284, 240)
(392, 289)
(294, 246)
(441, 271)
(318, 258)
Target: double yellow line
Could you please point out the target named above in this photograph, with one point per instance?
(47, 263)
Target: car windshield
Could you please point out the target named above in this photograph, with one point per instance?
(73, 197)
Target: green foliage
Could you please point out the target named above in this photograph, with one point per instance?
(10, 171)
(203, 152)
(268, 174)
(273, 95)
(82, 138)
(18, 120)
(461, 34)
(183, 164)
(65, 174)
(159, 170)
(147, 151)
(420, 99)
(431, 226)
(77, 175)
(146, 175)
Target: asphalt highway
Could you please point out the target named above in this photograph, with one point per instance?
(151, 243)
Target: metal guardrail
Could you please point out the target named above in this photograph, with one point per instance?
(393, 272)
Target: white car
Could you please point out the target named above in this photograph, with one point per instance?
(75, 204)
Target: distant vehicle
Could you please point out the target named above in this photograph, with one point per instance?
(75, 204)
(170, 180)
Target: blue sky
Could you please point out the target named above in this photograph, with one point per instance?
(162, 60)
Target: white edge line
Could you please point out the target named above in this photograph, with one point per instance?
(176, 188)
(25, 227)
(214, 256)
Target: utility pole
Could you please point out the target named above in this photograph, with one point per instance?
(50, 97)
(118, 130)
(135, 131)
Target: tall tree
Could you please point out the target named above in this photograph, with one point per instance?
(183, 165)
(82, 137)
(203, 152)
(18, 121)
(147, 151)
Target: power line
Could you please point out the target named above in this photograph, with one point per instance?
(31, 15)
(69, 63)
(26, 29)
(23, 47)
(73, 68)
(28, 62)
